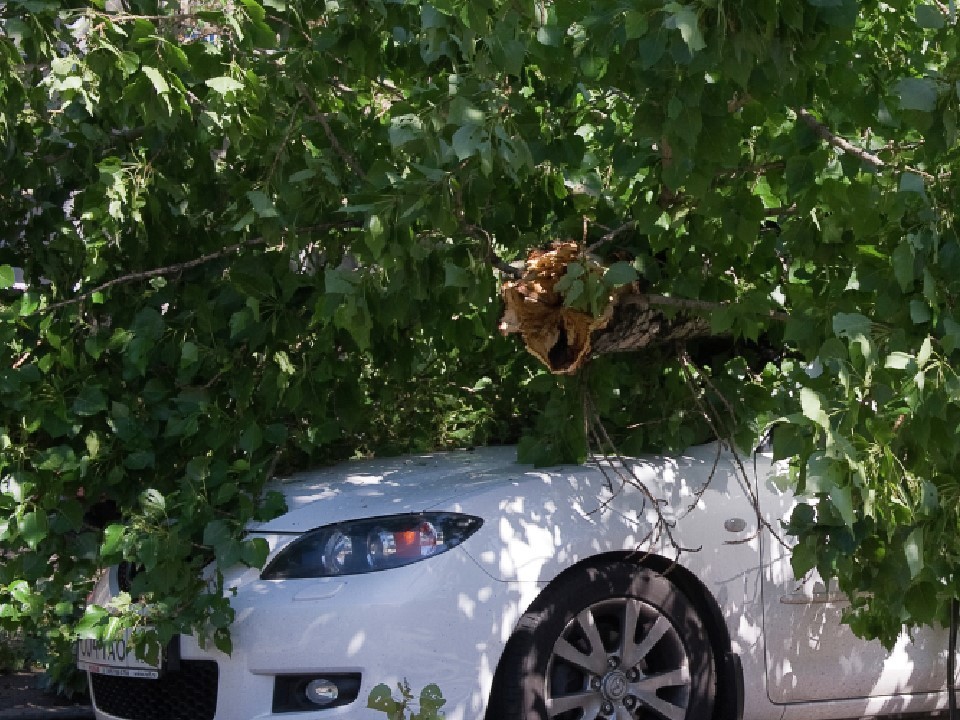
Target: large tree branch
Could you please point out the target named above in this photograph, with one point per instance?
(690, 306)
(564, 338)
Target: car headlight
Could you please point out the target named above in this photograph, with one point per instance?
(371, 544)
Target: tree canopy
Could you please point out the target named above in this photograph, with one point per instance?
(238, 239)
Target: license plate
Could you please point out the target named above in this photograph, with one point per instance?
(115, 658)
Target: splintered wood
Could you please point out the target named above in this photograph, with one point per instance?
(558, 335)
(564, 338)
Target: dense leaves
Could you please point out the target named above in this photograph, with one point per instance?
(239, 241)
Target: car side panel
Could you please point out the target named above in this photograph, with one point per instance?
(553, 519)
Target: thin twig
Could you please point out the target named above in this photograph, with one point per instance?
(838, 142)
(283, 143)
(613, 234)
(155, 272)
(492, 257)
(22, 359)
(627, 476)
(129, 17)
(752, 169)
(780, 211)
(328, 131)
(725, 435)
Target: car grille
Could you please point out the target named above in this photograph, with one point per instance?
(187, 694)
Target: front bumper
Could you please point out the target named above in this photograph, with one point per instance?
(443, 621)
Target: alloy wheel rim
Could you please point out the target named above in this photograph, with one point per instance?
(621, 659)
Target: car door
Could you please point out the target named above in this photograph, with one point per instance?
(810, 655)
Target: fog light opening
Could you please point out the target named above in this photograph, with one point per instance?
(322, 691)
(314, 692)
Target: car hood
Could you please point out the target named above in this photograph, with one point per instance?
(368, 488)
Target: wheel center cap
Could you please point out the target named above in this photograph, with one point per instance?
(615, 685)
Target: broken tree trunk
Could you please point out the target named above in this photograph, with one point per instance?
(564, 338)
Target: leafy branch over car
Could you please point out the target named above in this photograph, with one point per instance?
(276, 245)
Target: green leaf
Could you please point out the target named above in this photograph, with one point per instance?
(951, 339)
(59, 458)
(33, 527)
(88, 626)
(851, 325)
(189, 354)
(301, 176)
(636, 24)
(262, 205)
(224, 85)
(431, 700)
(156, 77)
(403, 129)
(917, 94)
(920, 312)
(251, 438)
(114, 537)
(381, 699)
(684, 19)
(842, 500)
(337, 282)
(898, 361)
(216, 533)
(254, 552)
(903, 265)
(803, 559)
(467, 140)
(455, 276)
(620, 273)
(921, 602)
(7, 277)
(913, 183)
(913, 550)
(140, 460)
(90, 401)
(375, 237)
(812, 407)
(930, 17)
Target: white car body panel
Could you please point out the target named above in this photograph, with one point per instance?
(446, 619)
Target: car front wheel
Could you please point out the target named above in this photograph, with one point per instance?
(613, 641)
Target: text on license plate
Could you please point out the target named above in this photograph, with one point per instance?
(114, 658)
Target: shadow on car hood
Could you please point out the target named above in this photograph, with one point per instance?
(369, 488)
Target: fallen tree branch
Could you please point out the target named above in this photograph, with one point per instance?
(688, 305)
(564, 338)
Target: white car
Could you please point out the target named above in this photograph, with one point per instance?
(529, 593)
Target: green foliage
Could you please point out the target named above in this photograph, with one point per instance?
(430, 702)
(260, 237)
(13, 655)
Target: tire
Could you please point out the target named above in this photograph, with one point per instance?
(571, 657)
